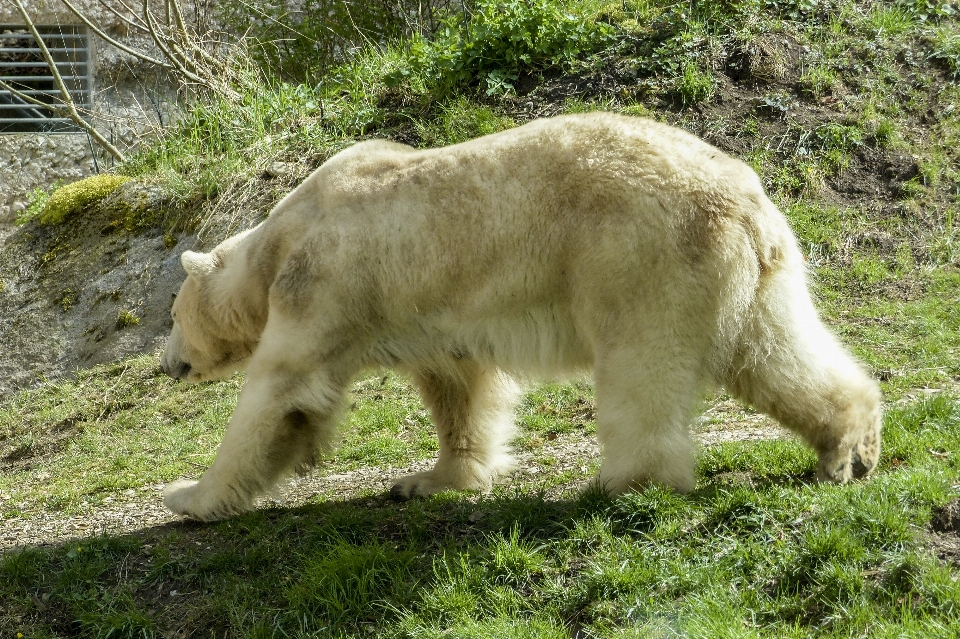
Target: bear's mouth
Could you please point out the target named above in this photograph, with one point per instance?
(226, 367)
(178, 370)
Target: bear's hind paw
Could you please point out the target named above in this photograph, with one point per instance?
(417, 485)
(464, 476)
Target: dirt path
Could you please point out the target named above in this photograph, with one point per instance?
(137, 509)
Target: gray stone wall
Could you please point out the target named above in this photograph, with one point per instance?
(126, 95)
(29, 161)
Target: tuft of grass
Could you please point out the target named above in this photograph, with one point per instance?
(946, 49)
(890, 21)
(126, 318)
(346, 577)
(694, 85)
(460, 120)
(819, 81)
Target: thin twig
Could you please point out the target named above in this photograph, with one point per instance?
(62, 112)
(131, 12)
(159, 39)
(129, 21)
(111, 41)
(174, 7)
(67, 98)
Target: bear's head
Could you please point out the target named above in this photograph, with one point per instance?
(215, 330)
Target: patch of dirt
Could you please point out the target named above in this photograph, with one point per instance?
(944, 538)
(947, 518)
(14, 457)
(137, 509)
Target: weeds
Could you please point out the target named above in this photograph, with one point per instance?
(493, 43)
(947, 49)
(126, 318)
(36, 201)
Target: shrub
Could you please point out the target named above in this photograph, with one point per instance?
(498, 40)
(306, 42)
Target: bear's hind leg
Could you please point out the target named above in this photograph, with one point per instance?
(280, 423)
(472, 409)
(791, 367)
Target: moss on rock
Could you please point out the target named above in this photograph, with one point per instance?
(74, 197)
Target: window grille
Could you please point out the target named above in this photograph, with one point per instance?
(22, 67)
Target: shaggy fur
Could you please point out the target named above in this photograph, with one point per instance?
(587, 241)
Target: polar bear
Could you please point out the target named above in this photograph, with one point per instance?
(592, 241)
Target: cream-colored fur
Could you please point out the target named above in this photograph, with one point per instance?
(587, 241)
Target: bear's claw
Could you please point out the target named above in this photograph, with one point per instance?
(857, 466)
(399, 492)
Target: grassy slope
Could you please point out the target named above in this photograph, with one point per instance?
(855, 137)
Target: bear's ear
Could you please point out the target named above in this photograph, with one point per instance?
(197, 264)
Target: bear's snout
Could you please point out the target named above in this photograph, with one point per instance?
(178, 370)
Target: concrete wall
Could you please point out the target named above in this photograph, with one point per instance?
(127, 95)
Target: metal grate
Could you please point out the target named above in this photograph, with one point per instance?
(22, 66)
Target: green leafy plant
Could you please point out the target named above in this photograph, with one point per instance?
(498, 40)
(36, 201)
(928, 10)
(947, 50)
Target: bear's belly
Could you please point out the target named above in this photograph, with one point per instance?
(539, 341)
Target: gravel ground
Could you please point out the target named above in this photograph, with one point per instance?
(143, 508)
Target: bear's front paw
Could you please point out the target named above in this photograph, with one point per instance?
(179, 497)
(196, 501)
(866, 454)
(840, 466)
(835, 468)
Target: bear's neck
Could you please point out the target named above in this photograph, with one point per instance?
(247, 285)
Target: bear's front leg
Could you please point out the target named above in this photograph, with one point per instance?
(279, 424)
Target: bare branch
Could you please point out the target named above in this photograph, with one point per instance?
(67, 98)
(282, 25)
(133, 22)
(174, 7)
(62, 112)
(111, 41)
(71, 114)
(159, 39)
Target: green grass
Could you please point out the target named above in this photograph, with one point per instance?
(127, 425)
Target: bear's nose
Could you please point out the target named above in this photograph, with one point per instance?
(177, 371)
